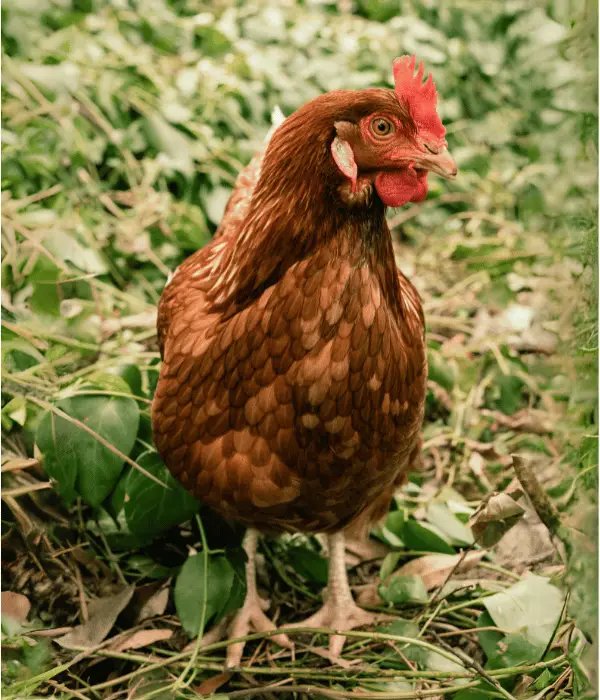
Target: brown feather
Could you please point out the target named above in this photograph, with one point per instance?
(294, 368)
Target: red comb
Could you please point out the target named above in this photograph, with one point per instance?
(420, 96)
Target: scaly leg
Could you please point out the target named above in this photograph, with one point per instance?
(251, 617)
(339, 612)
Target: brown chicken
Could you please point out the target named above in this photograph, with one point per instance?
(292, 388)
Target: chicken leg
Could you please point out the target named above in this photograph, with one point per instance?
(251, 617)
(339, 611)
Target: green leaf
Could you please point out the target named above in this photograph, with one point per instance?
(422, 537)
(77, 460)
(441, 517)
(511, 393)
(389, 564)
(439, 371)
(437, 662)
(395, 521)
(176, 148)
(308, 564)
(146, 566)
(215, 202)
(189, 590)
(67, 247)
(387, 536)
(404, 589)
(45, 298)
(488, 639)
(407, 628)
(15, 410)
(130, 374)
(150, 507)
(532, 608)
(514, 650)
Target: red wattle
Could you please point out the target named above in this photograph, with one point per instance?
(398, 187)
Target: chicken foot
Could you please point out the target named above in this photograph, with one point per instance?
(251, 616)
(339, 612)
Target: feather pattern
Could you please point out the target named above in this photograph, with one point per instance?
(292, 388)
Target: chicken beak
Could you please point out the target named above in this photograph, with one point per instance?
(440, 162)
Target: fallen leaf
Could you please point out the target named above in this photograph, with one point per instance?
(529, 420)
(532, 608)
(210, 685)
(103, 614)
(149, 600)
(494, 517)
(432, 568)
(155, 605)
(15, 605)
(488, 450)
(142, 638)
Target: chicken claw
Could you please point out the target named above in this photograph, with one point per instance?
(339, 612)
(251, 618)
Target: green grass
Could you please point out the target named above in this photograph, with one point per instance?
(124, 125)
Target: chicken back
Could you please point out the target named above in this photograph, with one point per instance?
(292, 387)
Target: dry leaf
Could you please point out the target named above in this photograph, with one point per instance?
(142, 638)
(15, 605)
(495, 516)
(489, 450)
(103, 613)
(432, 568)
(210, 685)
(477, 465)
(529, 420)
(155, 605)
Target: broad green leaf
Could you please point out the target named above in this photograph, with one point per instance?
(175, 147)
(515, 650)
(15, 410)
(439, 371)
(45, 298)
(440, 515)
(404, 589)
(532, 608)
(132, 375)
(215, 202)
(189, 590)
(488, 639)
(437, 662)
(150, 507)
(395, 521)
(146, 566)
(386, 535)
(389, 564)
(77, 460)
(412, 652)
(308, 564)
(423, 537)
(66, 247)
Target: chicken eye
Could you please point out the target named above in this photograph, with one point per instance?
(381, 127)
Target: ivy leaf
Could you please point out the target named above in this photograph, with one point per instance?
(77, 460)
(441, 517)
(150, 507)
(532, 607)
(189, 590)
(425, 538)
(404, 589)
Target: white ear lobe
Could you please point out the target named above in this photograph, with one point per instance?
(343, 156)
